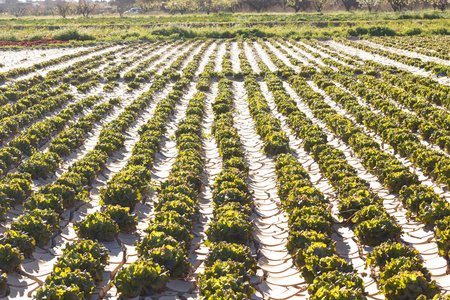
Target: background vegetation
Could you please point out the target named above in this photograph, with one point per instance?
(84, 22)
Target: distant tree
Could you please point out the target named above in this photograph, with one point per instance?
(148, 5)
(440, 4)
(37, 10)
(319, 5)
(225, 5)
(370, 4)
(298, 5)
(260, 5)
(399, 5)
(348, 4)
(18, 11)
(63, 8)
(122, 5)
(85, 8)
(180, 6)
(282, 3)
(205, 5)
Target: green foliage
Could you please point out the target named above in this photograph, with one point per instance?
(375, 231)
(67, 277)
(336, 292)
(368, 213)
(228, 251)
(229, 286)
(443, 236)
(165, 251)
(372, 31)
(320, 265)
(60, 292)
(388, 251)
(301, 240)
(126, 187)
(415, 195)
(83, 255)
(19, 240)
(40, 165)
(302, 221)
(122, 217)
(72, 34)
(310, 256)
(403, 264)
(409, 285)
(35, 225)
(172, 228)
(140, 278)
(97, 226)
(10, 258)
(16, 186)
(44, 201)
(231, 226)
(94, 249)
(331, 283)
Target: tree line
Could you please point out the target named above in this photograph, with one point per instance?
(89, 7)
(214, 6)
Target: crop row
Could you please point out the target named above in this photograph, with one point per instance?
(436, 46)
(70, 186)
(322, 110)
(324, 83)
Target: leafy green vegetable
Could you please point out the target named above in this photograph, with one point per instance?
(228, 286)
(232, 226)
(60, 292)
(35, 226)
(402, 264)
(229, 251)
(375, 231)
(319, 265)
(388, 251)
(19, 240)
(10, 258)
(44, 201)
(409, 285)
(67, 277)
(140, 278)
(97, 226)
(122, 217)
(335, 281)
(165, 251)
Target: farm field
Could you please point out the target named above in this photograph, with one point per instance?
(226, 169)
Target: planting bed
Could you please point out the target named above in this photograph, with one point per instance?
(226, 169)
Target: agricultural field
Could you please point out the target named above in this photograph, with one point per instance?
(226, 169)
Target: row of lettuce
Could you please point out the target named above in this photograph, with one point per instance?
(358, 204)
(28, 101)
(309, 218)
(15, 187)
(420, 201)
(163, 251)
(229, 263)
(38, 224)
(104, 226)
(432, 66)
(5, 76)
(430, 46)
